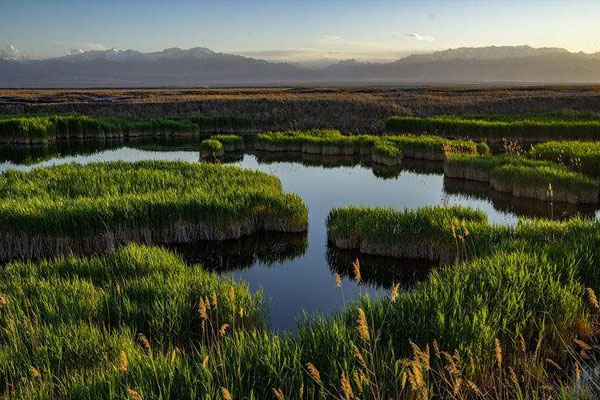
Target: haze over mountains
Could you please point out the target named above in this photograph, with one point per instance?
(203, 67)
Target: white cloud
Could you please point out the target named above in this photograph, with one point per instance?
(11, 52)
(419, 37)
(331, 38)
(83, 47)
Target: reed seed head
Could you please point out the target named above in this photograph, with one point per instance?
(205, 362)
(223, 329)
(314, 373)
(394, 294)
(144, 342)
(225, 393)
(35, 373)
(498, 351)
(346, 387)
(362, 327)
(338, 280)
(123, 362)
(232, 293)
(133, 395)
(202, 311)
(591, 295)
(301, 391)
(278, 394)
(356, 269)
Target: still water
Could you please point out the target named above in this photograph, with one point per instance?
(297, 271)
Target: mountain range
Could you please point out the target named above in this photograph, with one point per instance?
(203, 67)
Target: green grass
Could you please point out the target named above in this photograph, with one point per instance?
(431, 147)
(580, 156)
(39, 127)
(526, 127)
(211, 147)
(423, 233)
(68, 324)
(525, 177)
(230, 142)
(159, 198)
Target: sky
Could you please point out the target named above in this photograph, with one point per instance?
(296, 31)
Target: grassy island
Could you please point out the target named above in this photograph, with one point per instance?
(86, 209)
(528, 128)
(42, 129)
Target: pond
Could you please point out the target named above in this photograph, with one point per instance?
(297, 271)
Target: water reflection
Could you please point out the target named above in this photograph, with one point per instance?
(380, 272)
(266, 248)
(516, 205)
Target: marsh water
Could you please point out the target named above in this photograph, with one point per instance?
(297, 271)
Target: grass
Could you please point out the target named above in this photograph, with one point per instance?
(524, 127)
(579, 156)
(230, 142)
(104, 204)
(525, 177)
(23, 128)
(334, 142)
(517, 308)
(423, 233)
(211, 148)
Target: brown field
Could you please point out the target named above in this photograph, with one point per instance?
(352, 109)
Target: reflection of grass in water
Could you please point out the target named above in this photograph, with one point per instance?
(230, 255)
(522, 207)
(380, 272)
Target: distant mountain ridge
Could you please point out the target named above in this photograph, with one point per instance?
(201, 66)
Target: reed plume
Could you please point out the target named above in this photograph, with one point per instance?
(362, 327)
(314, 373)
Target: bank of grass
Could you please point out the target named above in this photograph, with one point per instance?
(496, 128)
(211, 148)
(47, 128)
(98, 206)
(579, 156)
(230, 142)
(524, 177)
(333, 142)
(495, 327)
(425, 233)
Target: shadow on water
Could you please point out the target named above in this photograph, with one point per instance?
(380, 272)
(266, 248)
(508, 203)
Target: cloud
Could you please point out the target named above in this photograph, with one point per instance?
(11, 52)
(83, 47)
(331, 38)
(420, 38)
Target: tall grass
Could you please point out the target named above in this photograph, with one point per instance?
(526, 127)
(524, 177)
(580, 156)
(513, 322)
(24, 128)
(86, 208)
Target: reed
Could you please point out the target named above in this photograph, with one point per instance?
(332, 142)
(34, 129)
(211, 148)
(425, 233)
(496, 128)
(92, 208)
(70, 327)
(523, 177)
(230, 142)
(579, 156)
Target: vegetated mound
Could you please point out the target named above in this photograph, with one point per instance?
(496, 128)
(92, 208)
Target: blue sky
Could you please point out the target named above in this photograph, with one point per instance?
(294, 30)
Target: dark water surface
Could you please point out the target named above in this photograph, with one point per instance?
(297, 271)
